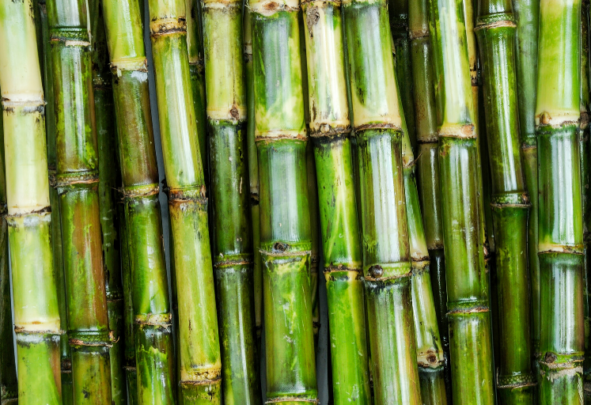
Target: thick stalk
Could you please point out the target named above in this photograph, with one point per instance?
(56, 229)
(286, 240)
(510, 204)
(253, 174)
(77, 179)
(232, 236)
(560, 239)
(330, 129)
(459, 185)
(26, 194)
(150, 370)
(378, 124)
(109, 174)
(199, 363)
(527, 13)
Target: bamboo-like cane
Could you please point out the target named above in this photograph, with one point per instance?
(36, 309)
(77, 179)
(560, 239)
(232, 240)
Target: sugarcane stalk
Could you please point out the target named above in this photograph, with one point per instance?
(200, 364)
(330, 130)
(253, 174)
(527, 15)
(56, 229)
(77, 178)
(509, 200)
(286, 240)
(28, 216)
(109, 179)
(378, 123)
(560, 239)
(232, 236)
(150, 365)
(459, 186)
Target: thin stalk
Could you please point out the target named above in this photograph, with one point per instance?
(232, 236)
(35, 301)
(286, 240)
(56, 229)
(253, 175)
(459, 186)
(150, 369)
(510, 204)
(560, 239)
(77, 180)
(527, 15)
(200, 363)
(330, 130)
(378, 124)
(109, 179)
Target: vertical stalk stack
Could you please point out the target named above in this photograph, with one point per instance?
(36, 310)
(233, 252)
(199, 349)
(330, 129)
(526, 13)
(495, 30)
(427, 166)
(77, 180)
(286, 240)
(104, 110)
(560, 237)
(378, 124)
(154, 355)
(459, 185)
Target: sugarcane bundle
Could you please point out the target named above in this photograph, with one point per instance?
(459, 185)
(199, 347)
(36, 312)
(77, 180)
(560, 239)
(232, 236)
(153, 374)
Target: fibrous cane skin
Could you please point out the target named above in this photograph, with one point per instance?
(286, 240)
(77, 180)
(495, 30)
(199, 347)
(526, 15)
(230, 194)
(330, 130)
(459, 185)
(378, 124)
(560, 239)
(28, 216)
(150, 371)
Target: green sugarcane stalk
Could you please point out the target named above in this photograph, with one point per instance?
(150, 370)
(56, 229)
(462, 214)
(427, 165)
(8, 381)
(330, 129)
(109, 179)
(527, 15)
(286, 239)
(378, 124)
(509, 200)
(77, 179)
(200, 364)
(560, 239)
(232, 236)
(35, 301)
(253, 175)
(196, 66)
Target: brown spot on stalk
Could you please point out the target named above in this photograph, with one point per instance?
(376, 271)
(272, 6)
(545, 118)
(549, 358)
(234, 112)
(280, 246)
(312, 17)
